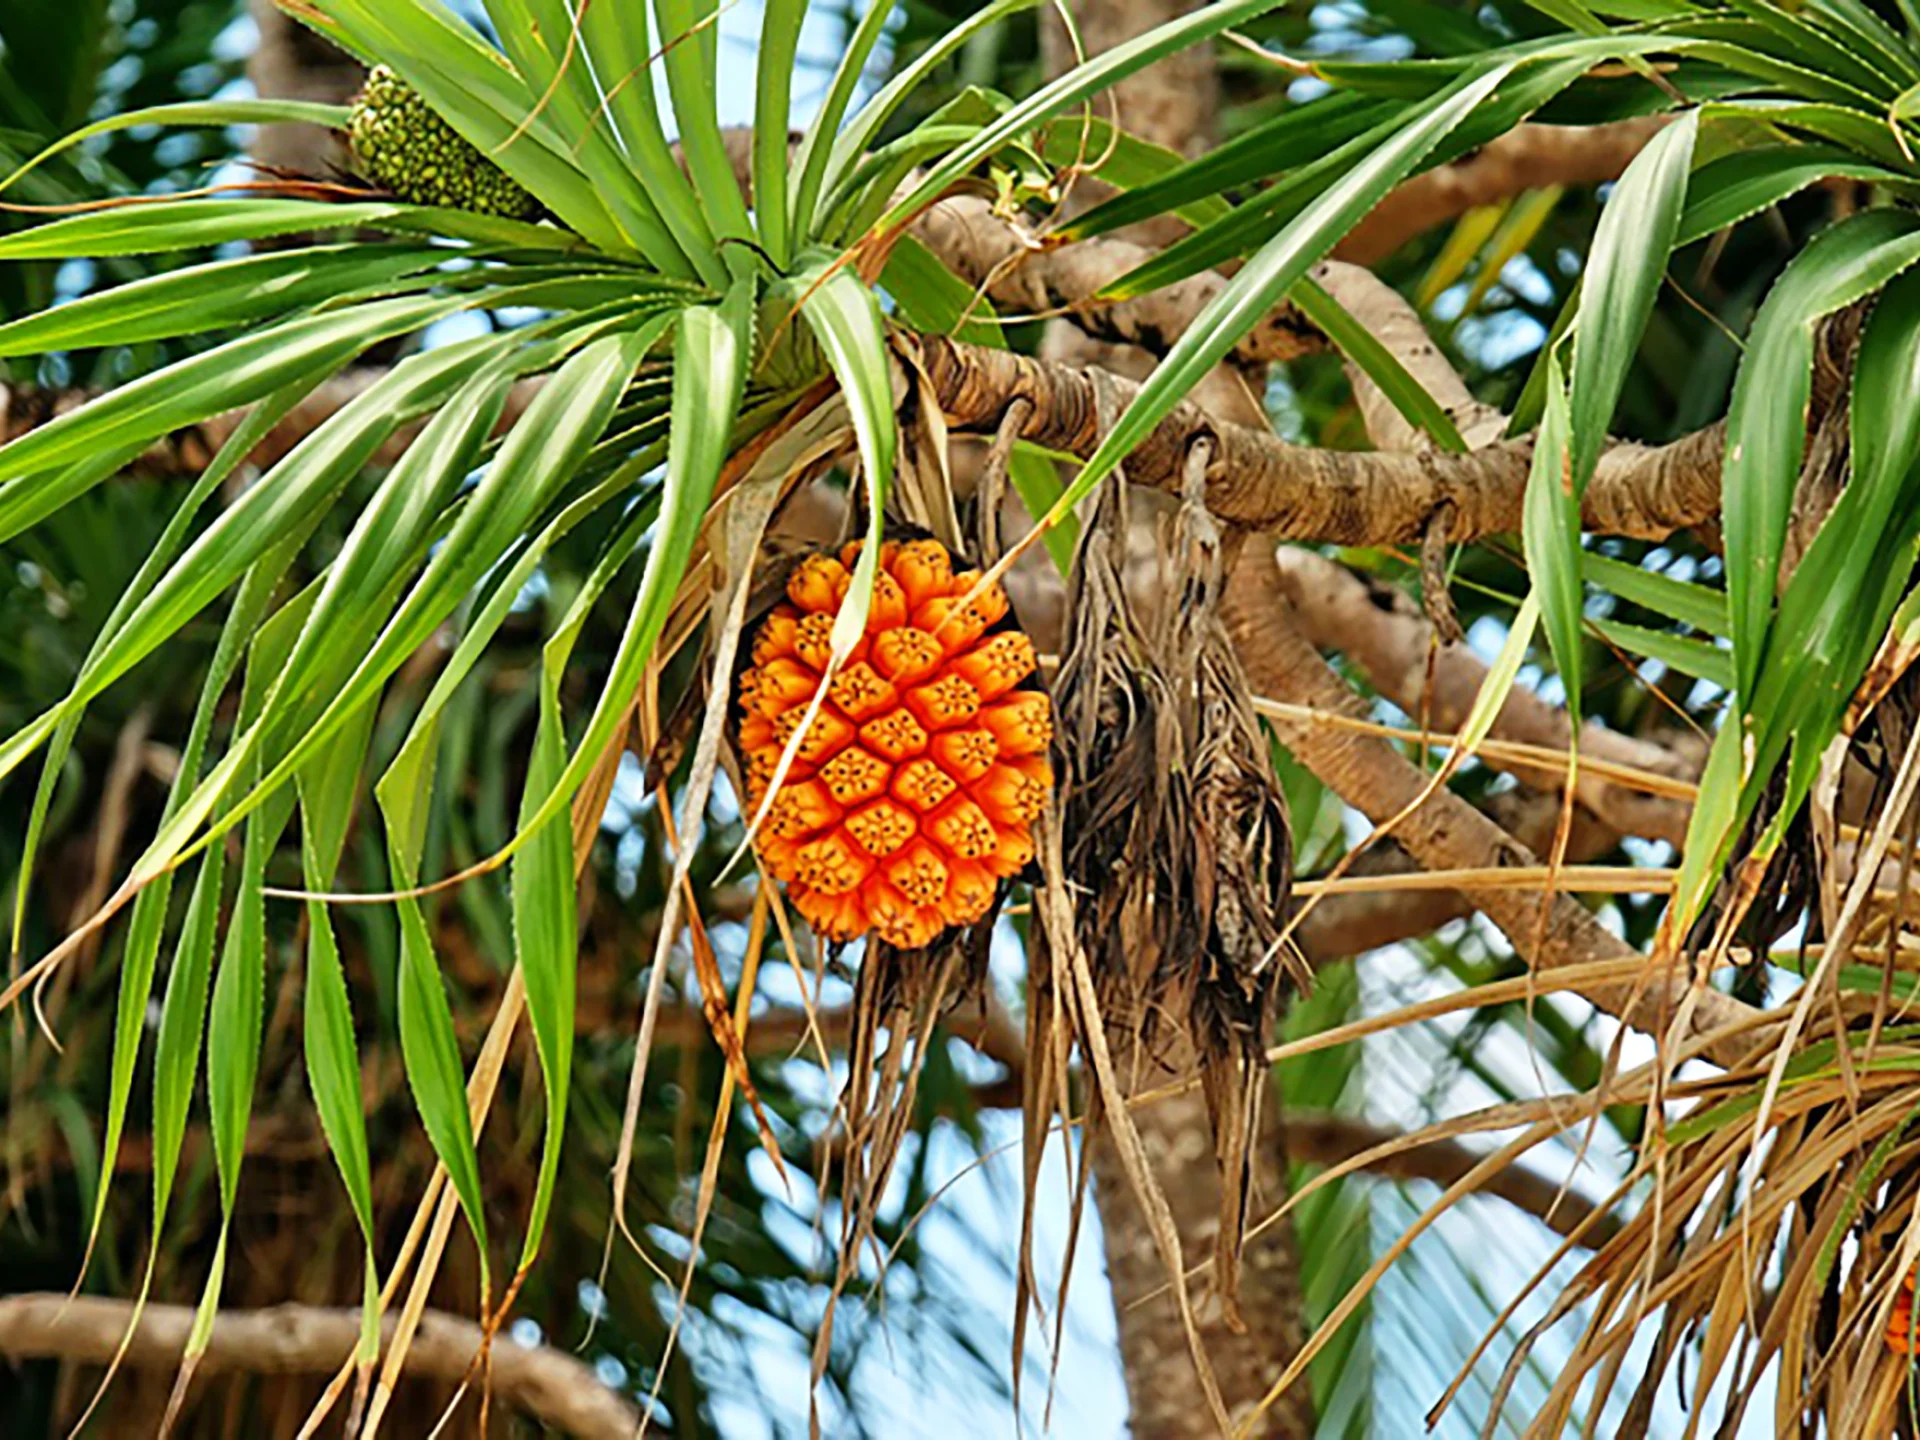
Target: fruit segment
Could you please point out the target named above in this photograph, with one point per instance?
(916, 787)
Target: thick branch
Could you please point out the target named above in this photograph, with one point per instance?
(1377, 629)
(1391, 643)
(547, 1384)
(988, 253)
(1445, 832)
(1297, 492)
(1255, 479)
(1393, 321)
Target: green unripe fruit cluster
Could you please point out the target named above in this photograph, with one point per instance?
(406, 149)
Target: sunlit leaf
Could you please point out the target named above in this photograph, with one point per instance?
(1766, 432)
(215, 296)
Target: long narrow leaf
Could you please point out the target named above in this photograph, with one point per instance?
(428, 1045)
(713, 350)
(780, 27)
(1730, 189)
(156, 227)
(1617, 291)
(1278, 267)
(1677, 652)
(1766, 419)
(859, 133)
(147, 927)
(1550, 526)
(192, 390)
(1359, 345)
(691, 79)
(1083, 81)
(216, 296)
(545, 899)
(620, 39)
(845, 316)
(326, 789)
(816, 146)
(191, 112)
(1299, 135)
(1678, 600)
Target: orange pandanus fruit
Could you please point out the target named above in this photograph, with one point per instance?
(914, 792)
(1902, 1334)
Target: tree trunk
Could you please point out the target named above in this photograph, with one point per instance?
(1174, 103)
(1162, 1391)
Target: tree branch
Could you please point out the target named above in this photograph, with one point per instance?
(1022, 278)
(547, 1384)
(1379, 631)
(1257, 480)
(1444, 832)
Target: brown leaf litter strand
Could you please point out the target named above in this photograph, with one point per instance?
(1167, 862)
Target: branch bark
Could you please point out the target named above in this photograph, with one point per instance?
(1380, 632)
(545, 1383)
(989, 254)
(1444, 832)
(1295, 492)
(1255, 479)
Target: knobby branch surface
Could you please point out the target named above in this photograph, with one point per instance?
(1021, 277)
(1437, 827)
(1296, 492)
(1255, 479)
